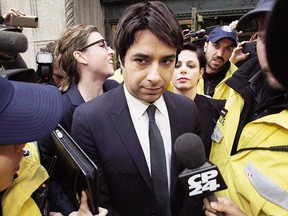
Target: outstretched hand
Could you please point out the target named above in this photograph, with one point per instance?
(186, 34)
(83, 209)
(237, 54)
(225, 205)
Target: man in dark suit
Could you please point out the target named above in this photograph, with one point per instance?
(113, 129)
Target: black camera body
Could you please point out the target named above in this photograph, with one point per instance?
(199, 34)
(249, 46)
(45, 67)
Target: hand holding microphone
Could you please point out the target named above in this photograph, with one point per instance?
(224, 205)
(201, 177)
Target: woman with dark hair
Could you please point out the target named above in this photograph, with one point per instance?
(189, 69)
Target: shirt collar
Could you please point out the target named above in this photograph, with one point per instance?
(139, 107)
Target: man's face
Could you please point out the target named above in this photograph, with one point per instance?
(261, 52)
(148, 67)
(10, 157)
(217, 54)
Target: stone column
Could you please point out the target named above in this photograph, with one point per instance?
(89, 12)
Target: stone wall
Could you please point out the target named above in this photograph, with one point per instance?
(54, 16)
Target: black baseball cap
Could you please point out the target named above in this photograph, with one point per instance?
(220, 32)
(263, 6)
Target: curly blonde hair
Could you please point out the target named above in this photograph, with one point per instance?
(72, 39)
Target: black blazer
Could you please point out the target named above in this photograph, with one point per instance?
(103, 128)
(59, 201)
(209, 111)
(72, 98)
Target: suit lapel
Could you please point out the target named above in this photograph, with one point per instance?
(176, 131)
(123, 123)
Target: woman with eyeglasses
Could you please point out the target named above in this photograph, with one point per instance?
(86, 61)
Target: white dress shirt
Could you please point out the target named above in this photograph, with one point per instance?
(137, 109)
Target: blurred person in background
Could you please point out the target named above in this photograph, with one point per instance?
(57, 75)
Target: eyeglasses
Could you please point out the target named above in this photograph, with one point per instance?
(105, 45)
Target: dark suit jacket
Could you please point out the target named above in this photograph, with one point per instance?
(59, 201)
(103, 128)
(72, 98)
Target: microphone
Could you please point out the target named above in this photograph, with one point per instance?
(200, 175)
(13, 42)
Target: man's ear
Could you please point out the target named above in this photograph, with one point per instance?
(121, 65)
(205, 47)
(202, 69)
(78, 55)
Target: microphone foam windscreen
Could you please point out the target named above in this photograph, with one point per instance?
(13, 42)
(189, 148)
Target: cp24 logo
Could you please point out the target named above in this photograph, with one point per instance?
(203, 182)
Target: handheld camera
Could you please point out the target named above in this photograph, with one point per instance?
(24, 21)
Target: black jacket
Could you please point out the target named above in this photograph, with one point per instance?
(72, 99)
(209, 111)
(59, 201)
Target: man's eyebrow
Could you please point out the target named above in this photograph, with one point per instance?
(147, 56)
(170, 56)
(218, 43)
(230, 46)
(140, 55)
